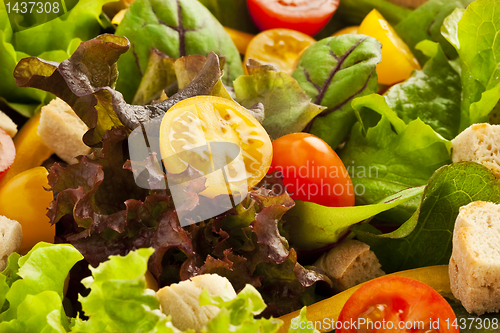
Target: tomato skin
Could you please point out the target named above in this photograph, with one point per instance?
(312, 171)
(7, 152)
(393, 300)
(24, 198)
(307, 16)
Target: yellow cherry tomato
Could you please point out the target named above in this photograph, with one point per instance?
(30, 149)
(25, 199)
(397, 60)
(279, 47)
(220, 139)
(240, 39)
(347, 30)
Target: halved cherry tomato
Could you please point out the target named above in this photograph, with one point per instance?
(312, 171)
(397, 60)
(279, 47)
(25, 199)
(7, 152)
(307, 16)
(396, 304)
(220, 139)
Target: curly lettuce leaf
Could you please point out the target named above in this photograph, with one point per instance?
(237, 315)
(300, 324)
(53, 41)
(473, 33)
(426, 238)
(424, 23)
(287, 108)
(176, 28)
(35, 296)
(333, 72)
(311, 226)
(432, 94)
(385, 155)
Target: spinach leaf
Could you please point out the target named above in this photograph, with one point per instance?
(474, 37)
(311, 226)
(176, 28)
(432, 94)
(287, 108)
(427, 241)
(425, 22)
(333, 72)
(385, 155)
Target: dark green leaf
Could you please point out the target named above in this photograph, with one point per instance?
(425, 22)
(232, 13)
(432, 94)
(429, 241)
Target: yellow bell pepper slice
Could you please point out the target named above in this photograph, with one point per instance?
(30, 149)
(397, 60)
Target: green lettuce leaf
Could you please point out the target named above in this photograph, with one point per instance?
(53, 41)
(425, 22)
(474, 37)
(386, 156)
(237, 315)
(176, 28)
(287, 108)
(119, 300)
(35, 294)
(432, 94)
(311, 226)
(333, 72)
(425, 239)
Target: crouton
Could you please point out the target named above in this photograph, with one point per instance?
(11, 237)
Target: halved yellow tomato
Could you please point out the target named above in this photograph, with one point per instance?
(218, 138)
(25, 199)
(279, 47)
(397, 60)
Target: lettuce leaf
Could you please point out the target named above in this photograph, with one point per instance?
(287, 108)
(53, 41)
(425, 239)
(473, 33)
(432, 94)
(333, 72)
(385, 155)
(311, 226)
(425, 22)
(176, 28)
(35, 297)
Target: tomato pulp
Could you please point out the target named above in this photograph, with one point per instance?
(312, 171)
(307, 16)
(396, 304)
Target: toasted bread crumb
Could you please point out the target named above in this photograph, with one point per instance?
(62, 131)
(350, 263)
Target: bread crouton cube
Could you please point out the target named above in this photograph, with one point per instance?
(474, 265)
(11, 237)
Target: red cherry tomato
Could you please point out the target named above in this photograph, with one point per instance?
(307, 16)
(7, 152)
(396, 304)
(312, 171)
